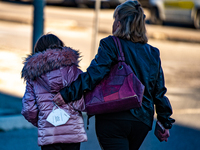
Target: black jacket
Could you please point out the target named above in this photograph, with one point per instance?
(145, 62)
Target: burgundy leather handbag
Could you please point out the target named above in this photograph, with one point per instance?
(119, 90)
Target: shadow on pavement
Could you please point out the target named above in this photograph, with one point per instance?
(9, 104)
(182, 138)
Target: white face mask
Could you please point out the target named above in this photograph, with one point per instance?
(57, 116)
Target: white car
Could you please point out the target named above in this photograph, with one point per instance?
(180, 11)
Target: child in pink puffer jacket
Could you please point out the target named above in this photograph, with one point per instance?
(46, 72)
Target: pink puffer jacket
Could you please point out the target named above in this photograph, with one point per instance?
(45, 74)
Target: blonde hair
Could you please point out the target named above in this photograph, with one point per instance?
(132, 22)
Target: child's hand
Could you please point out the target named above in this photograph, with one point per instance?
(58, 99)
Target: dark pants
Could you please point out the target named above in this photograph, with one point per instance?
(62, 146)
(120, 134)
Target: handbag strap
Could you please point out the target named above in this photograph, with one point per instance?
(118, 44)
(121, 54)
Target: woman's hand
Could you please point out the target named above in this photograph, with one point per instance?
(164, 136)
(58, 99)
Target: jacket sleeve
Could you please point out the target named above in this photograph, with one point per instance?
(29, 106)
(163, 106)
(99, 67)
(79, 104)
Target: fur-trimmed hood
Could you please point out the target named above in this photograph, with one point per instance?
(40, 63)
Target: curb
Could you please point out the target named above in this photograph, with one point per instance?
(168, 37)
(15, 20)
(12, 122)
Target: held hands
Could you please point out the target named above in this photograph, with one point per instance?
(58, 99)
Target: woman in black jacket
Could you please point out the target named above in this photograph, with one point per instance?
(126, 130)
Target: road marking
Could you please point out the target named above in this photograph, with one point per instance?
(187, 111)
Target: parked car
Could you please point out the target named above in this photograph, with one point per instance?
(180, 11)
